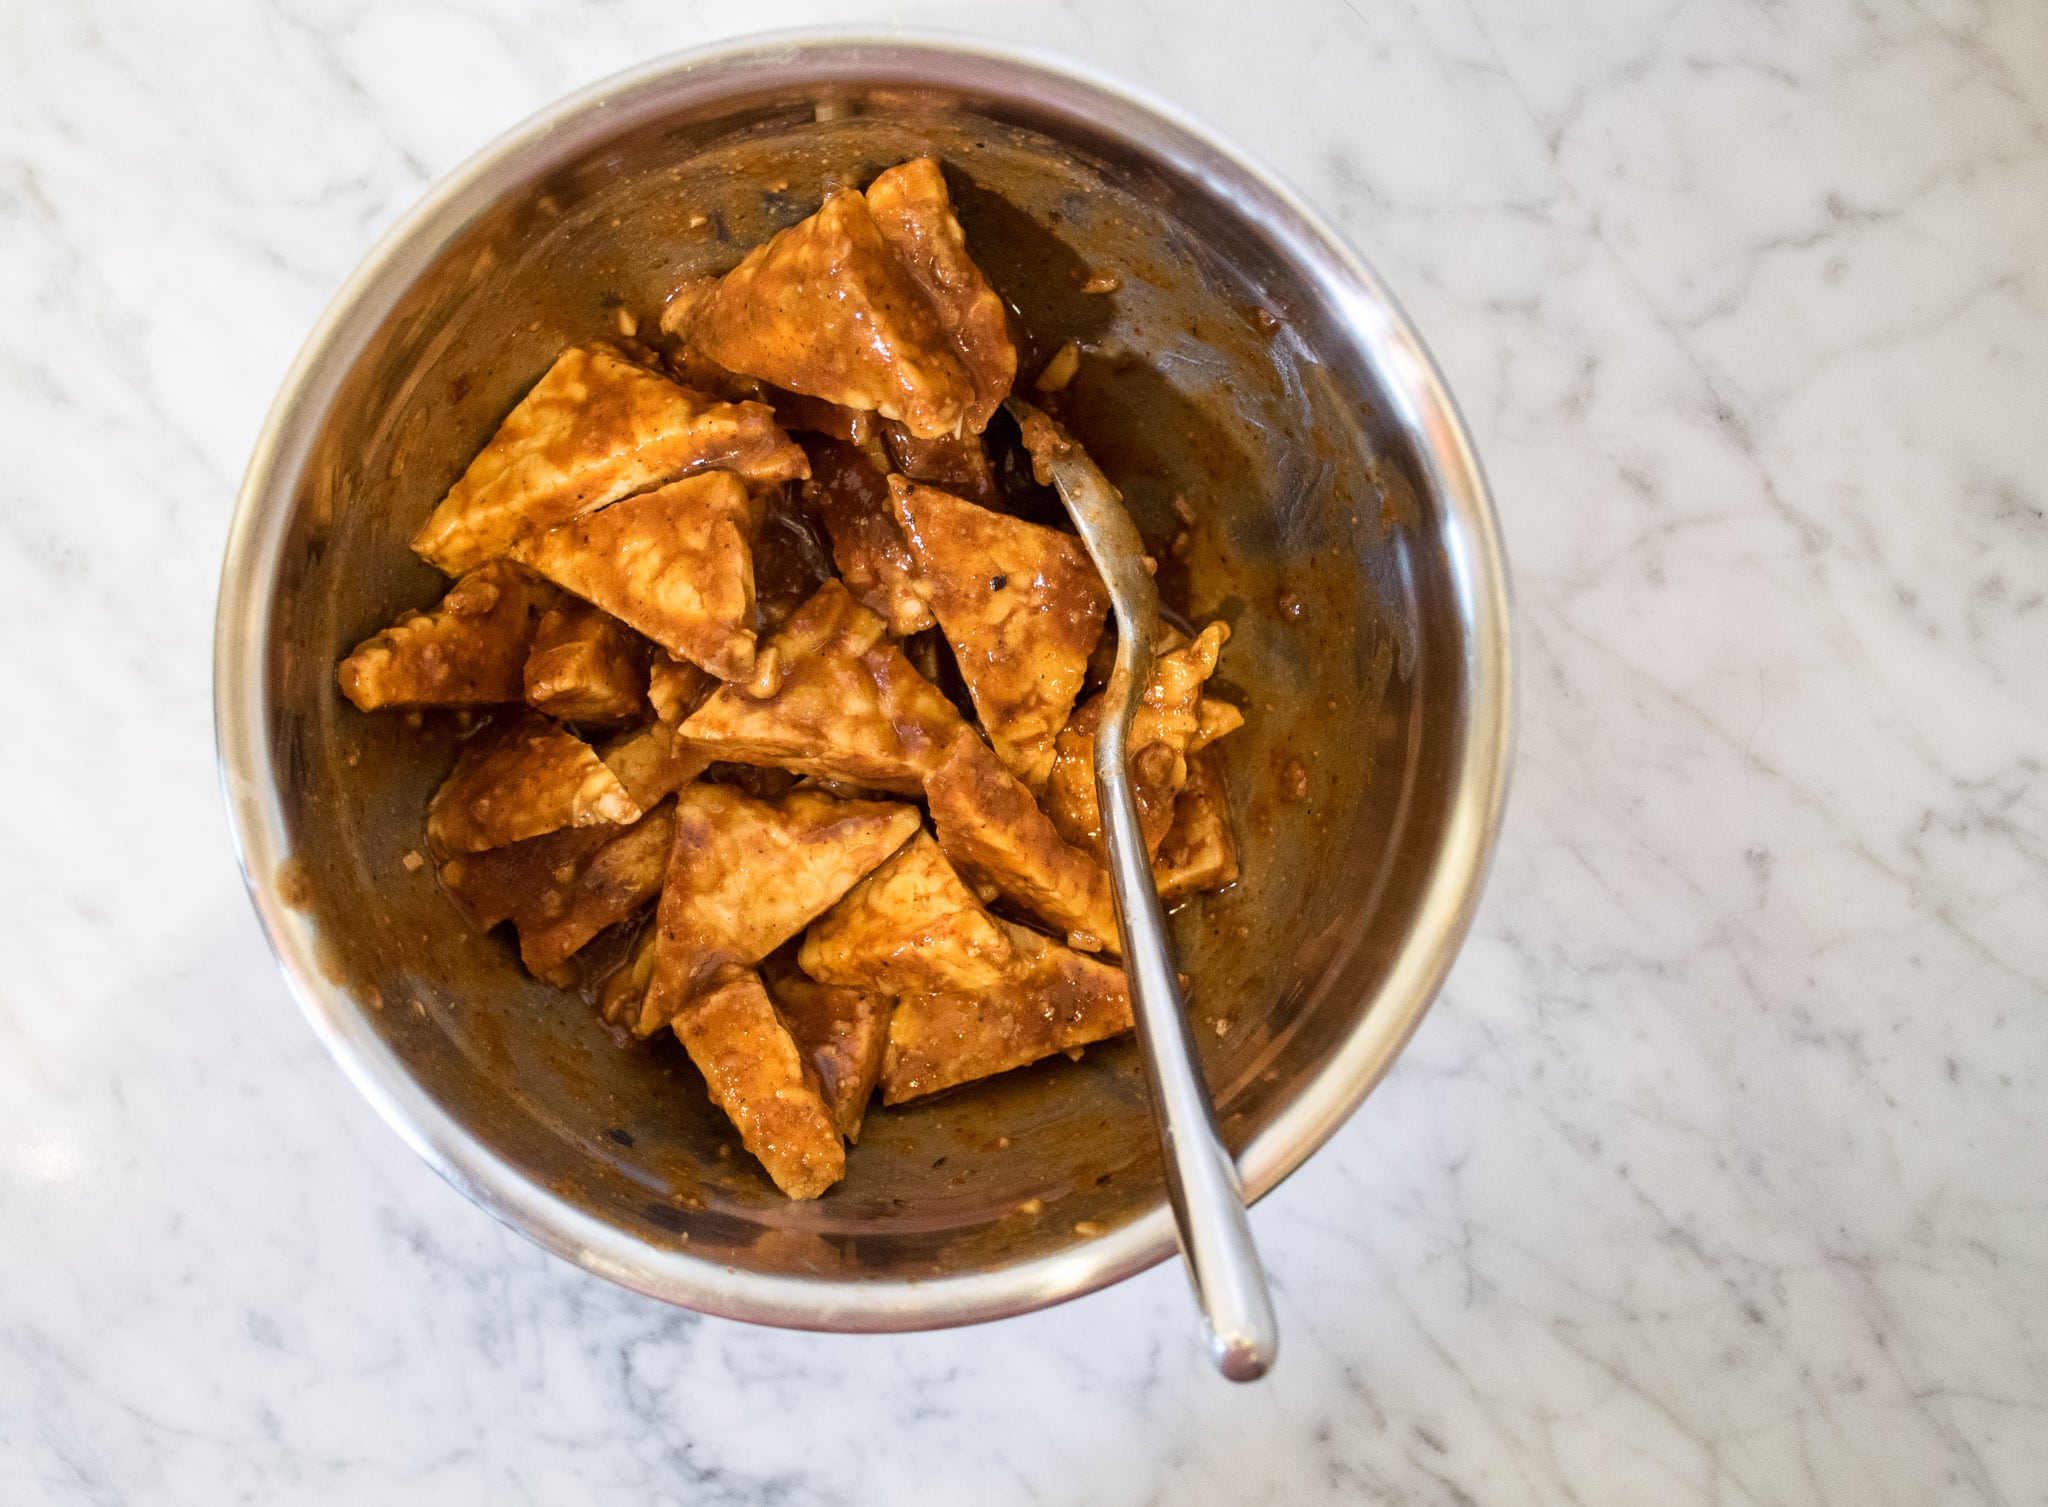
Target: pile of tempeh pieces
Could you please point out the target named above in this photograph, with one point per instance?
(859, 884)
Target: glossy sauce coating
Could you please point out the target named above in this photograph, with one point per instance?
(471, 650)
(746, 875)
(519, 778)
(1022, 607)
(596, 428)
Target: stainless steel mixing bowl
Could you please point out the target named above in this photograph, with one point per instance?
(1248, 362)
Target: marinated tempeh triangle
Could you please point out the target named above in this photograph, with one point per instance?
(673, 563)
(1056, 1001)
(842, 1033)
(746, 875)
(1199, 851)
(651, 764)
(995, 835)
(956, 463)
(677, 688)
(1213, 717)
(519, 778)
(586, 666)
(827, 309)
(850, 706)
(1021, 605)
(800, 411)
(1163, 729)
(915, 215)
(595, 428)
(872, 304)
(623, 989)
(910, 925)
(868, 546)
(761, 1080)
(471, 650)
(563, 888)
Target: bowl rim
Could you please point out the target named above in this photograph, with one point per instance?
(1388, 341)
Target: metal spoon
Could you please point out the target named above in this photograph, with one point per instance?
(1201, 1178)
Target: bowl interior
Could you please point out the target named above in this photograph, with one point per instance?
(1218, 371)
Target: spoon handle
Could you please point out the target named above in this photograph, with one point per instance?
(1201, 1178)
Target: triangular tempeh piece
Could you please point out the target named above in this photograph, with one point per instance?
(469, 651)
(850, 706)
(826, 308)
(677, 688)
(956, 463)
(1158, 774)
(620, 994)
(595, 428)
(586, 666)
(519, 778)
(495, 885)
(842, 1033)
(910, 925)
(995, 835)
(1199, 851)
(1056, 1001)
(650, 763)
(563, 888)
(914, 212)
(1021, 605)
(673, 563)
(1165, 726)
(868, 546)
(759, 1077)
(746, 875)
(798, 411)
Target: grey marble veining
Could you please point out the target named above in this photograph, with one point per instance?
(1718, 1175)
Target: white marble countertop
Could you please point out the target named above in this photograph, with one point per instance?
(1718, 1174)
